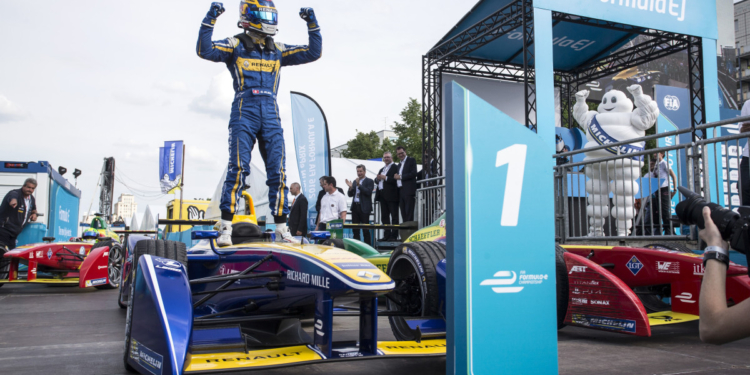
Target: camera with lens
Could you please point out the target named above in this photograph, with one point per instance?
(732, 225)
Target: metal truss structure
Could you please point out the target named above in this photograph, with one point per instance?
(451, 57)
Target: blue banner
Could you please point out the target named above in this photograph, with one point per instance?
(691, 17)
(494, 288)
(170, 166)
(63, 213)
(312, 146)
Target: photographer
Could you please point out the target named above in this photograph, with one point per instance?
(719, 324)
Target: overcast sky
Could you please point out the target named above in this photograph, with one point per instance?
(84, 80)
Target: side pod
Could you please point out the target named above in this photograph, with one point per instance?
(160, 318)
(598, 299)
(93, 270)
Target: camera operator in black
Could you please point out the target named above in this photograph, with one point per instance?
(719, 324)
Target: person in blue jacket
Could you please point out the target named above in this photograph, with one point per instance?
(254, 60)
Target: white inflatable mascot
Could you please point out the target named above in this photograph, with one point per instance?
(614, 121)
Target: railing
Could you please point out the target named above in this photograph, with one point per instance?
(609, 199)
(430, 200)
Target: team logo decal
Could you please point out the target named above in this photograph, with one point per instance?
(49, 253)
(634, 265)
(246, 64)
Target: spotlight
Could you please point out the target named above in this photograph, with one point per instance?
(76, 173)
(61, 170)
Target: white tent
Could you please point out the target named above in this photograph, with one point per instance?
(148, 222)
(134, 222)
(258, 190)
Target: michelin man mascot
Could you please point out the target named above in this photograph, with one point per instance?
(614, 121)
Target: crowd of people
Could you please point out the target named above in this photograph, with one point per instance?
(394, 188)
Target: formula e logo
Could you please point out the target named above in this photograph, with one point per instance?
(685, 297)
(634, 265)
(671, 103)
(577, 269)
(503, 278)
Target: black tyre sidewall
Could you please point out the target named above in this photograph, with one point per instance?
(423, 258)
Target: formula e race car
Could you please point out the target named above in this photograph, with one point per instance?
(239, 307)
(618, 289)
(84, 264)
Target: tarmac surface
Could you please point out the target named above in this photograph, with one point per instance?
(67, 330)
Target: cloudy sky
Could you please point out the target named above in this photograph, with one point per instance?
(84, 80)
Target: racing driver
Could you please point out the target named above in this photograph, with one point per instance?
(254, 60)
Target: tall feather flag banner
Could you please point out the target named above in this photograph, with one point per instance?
(312, 146)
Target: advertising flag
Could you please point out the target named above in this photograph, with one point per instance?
(170, 166)
(312, 146)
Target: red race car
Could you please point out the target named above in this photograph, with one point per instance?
(630, 290)
(81, 263)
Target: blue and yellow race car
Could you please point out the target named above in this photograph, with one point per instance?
(214, 309)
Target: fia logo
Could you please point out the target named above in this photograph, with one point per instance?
(503, 278)
(671, 103)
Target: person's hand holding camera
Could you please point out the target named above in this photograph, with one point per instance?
(710, 234)
(719, 324)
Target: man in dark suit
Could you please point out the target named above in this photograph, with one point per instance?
(406, 179)
(298, 212)
(320, 197)
(361, 192)
(387, 195)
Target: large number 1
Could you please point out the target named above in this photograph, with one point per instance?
(515, 157)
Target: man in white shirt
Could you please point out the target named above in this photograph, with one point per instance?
(333, 204)
(661, 200)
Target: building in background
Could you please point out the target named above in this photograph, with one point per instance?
(125, 207)
(382, 135)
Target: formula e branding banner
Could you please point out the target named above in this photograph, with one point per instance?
(691, 17)
(495, 287)
(312, 146)
(170, 166)
(63, 212)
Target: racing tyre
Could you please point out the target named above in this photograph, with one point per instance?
(413, 267)
(652, 297)
(114, 265)
(337, 243)
(166, 249)
(563, 286)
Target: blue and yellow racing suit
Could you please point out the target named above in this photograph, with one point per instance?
(256, 72)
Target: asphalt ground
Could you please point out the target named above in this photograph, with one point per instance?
(67, 330)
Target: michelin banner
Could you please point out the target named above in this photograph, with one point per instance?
(170, 166)
(312, 146)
